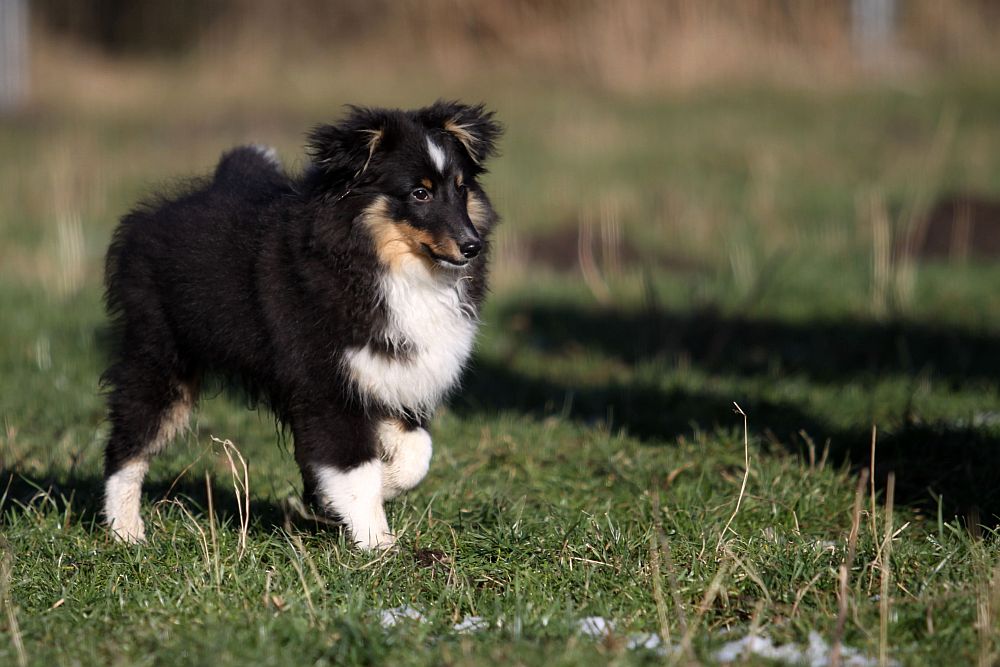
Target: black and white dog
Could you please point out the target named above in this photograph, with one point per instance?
(345, 299)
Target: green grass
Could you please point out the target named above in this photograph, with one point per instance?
(539, 509)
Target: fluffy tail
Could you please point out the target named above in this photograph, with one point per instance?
(253, 168)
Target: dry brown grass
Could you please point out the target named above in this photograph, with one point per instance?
(634, 46)
(631, 45)
(7, 601)
(844, 572)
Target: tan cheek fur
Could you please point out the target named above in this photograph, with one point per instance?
(477, 212)
(397, 241)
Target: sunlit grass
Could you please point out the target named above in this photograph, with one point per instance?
(752, 281)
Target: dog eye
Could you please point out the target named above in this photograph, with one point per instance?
(421, 194)
(463, 189)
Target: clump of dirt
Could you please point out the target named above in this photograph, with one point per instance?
(563, 248)
(959, 227)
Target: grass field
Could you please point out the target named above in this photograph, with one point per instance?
(592, 465)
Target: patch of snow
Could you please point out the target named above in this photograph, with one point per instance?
(649, 642)
(817, 654)
(394, 616)
(598, 627)
(595, 627)
(471, 624)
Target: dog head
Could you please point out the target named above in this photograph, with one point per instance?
(418, 171)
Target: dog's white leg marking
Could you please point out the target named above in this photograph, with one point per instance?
(123, 489)
(437, 155)
(122, 493)
(355, 496)
(406, 457)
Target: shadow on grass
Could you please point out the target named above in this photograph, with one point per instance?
(823, 350)
(80, 497)
(957, 463)
(646, 411)
(954, 463)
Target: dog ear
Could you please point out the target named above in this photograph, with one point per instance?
(472, 125)
(345, 150)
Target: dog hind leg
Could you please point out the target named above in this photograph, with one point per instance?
(145, 416)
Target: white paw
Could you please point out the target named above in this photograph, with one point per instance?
(128, 532)
(382, 540)
(406, 456)
(355, 497)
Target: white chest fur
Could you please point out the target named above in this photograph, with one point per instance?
(426, 316)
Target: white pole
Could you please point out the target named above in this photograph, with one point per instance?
(13, 53)
(873, 27)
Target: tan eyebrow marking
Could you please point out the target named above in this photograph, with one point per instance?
(463, 134)
(375, 136)
(427, 183)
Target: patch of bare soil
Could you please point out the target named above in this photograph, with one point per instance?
(959, 227)
(567, 248)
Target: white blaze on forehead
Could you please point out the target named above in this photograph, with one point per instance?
(437, 154)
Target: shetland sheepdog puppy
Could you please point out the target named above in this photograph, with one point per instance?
(344, 298)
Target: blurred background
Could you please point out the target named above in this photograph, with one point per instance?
(791, 203)
(698, 137)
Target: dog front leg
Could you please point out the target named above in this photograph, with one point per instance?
(406, 455)
(338, 456)
(354, 495)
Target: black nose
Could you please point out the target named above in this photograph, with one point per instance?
(471, 248)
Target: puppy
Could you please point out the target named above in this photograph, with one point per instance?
(345, 299)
